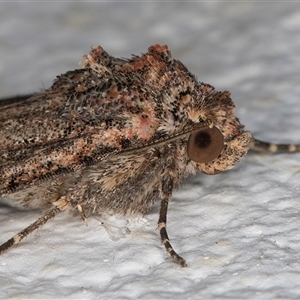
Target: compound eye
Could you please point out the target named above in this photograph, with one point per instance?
(205, 145)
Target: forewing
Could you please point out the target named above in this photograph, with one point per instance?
(44, 136)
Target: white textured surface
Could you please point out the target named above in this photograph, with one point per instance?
(238, 231)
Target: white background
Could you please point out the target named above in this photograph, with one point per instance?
(239, 230)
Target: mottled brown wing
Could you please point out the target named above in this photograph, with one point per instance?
(37, 141)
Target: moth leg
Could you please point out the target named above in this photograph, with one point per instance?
(162, 222)
(82, 214)
(273, 148)
(25, 232)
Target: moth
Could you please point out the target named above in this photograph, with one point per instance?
(115, 136)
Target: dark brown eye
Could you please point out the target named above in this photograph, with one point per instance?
(205, 145)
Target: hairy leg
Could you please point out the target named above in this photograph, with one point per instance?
(25, 232)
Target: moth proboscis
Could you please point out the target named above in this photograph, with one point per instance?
(115, 136)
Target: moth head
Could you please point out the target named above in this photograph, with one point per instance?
(211, 153)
